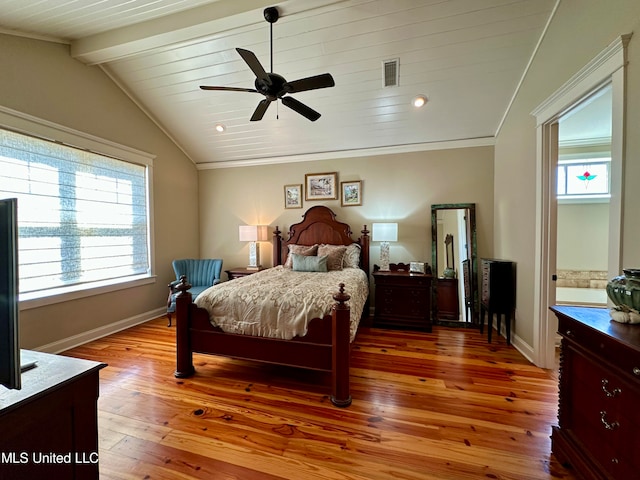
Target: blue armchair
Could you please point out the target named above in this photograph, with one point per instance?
(201, 274)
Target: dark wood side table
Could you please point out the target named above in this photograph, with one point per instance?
(50, 427)
(241, 272)
(403, 299)
(598, 420)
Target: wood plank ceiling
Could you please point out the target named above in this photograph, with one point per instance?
(466, 56)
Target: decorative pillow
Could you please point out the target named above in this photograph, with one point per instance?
(300, 250)
(308, 263)
(335, 254)
(352, 256)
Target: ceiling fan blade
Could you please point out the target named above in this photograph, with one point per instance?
(301, 108)
(311, 83)
(231, 89)
(260, 110)
(254, 64)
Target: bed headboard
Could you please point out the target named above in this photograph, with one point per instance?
(319, 225)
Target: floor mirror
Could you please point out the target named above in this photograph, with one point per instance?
(455, 264)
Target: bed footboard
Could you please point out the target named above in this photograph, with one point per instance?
(194, 333)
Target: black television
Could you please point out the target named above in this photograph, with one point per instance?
(10, 373)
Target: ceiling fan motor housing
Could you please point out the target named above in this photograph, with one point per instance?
(275, 88)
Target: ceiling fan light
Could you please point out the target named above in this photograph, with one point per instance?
(419, 101)
(220, 127)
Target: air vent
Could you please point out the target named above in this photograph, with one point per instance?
(390, 71)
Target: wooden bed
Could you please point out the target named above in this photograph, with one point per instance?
(325, 347)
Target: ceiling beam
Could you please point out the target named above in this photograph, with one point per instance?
(188, 25)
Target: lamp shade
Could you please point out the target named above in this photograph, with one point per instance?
(252, 233)
(385, 232)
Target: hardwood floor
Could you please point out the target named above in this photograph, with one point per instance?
(445, 405)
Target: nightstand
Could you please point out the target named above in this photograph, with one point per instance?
(403, 299)
(241, 272)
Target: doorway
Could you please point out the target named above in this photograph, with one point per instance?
(583, 196)
(608, 68)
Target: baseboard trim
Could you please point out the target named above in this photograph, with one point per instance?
(524, 348)
(517, 342)
(96, 333)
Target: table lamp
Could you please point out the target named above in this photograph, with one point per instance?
(384, 233)
(253, 234)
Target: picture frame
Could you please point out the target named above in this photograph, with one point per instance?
(293, 196)
(321, 186)
(351, 193)
(417, 267)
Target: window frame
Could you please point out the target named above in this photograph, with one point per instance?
(35, 127)
(566, 160)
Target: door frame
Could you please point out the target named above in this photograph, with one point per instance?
(606, 68)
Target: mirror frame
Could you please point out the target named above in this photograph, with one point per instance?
(473, 249)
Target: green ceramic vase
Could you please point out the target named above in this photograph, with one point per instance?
(624, 290)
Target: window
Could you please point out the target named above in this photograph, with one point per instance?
(584, 179)
(82, 217)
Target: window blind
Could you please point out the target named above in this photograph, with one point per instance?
(82, 216)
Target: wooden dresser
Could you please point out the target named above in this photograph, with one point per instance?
(497, 293)
(50, 427)
(402, 299)
(598, 430)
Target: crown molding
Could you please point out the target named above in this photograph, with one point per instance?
(363, 152)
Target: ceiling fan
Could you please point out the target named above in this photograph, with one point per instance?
(274, 86)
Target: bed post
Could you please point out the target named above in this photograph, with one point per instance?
(277, 247)
(184, 356)
(364, 246)
(340, 395)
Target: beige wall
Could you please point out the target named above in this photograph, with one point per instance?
(583, 236)
(579, 31)
(41, 79)
(398, 188)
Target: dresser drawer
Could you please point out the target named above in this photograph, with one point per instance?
(423, 281)
(587, 338)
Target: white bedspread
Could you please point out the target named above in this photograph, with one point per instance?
(279, 302)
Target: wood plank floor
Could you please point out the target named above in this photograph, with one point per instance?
(445, 405)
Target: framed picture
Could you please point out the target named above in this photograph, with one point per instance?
(293, 196)
(351, 193)
(321, 186)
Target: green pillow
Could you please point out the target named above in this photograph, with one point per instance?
(306, 263)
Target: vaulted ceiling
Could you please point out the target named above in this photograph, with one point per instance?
(466, 56)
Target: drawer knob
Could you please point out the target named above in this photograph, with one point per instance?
(569, 333)
(607, 392)
(607, 425)
(636, 371)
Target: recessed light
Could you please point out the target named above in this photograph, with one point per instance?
(419, 101)
(220, 127)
